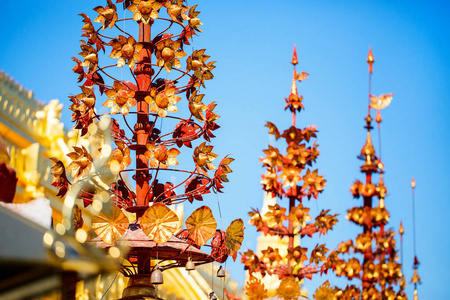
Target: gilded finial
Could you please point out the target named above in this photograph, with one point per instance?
(368, 148)
(370, 60)
(294, 91)
(415, 278)
(413, 183)
(294, 57)
(401, 230)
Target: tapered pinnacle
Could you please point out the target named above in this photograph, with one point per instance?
(370, 60)
(294, 57)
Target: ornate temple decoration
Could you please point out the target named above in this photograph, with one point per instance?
(290, 175)
(147, 89)
(379, 270)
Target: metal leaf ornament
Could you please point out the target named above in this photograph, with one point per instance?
(159, 222)
(110, 228)
(234, 237)
(201, 225)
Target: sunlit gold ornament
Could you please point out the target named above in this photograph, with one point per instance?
(145, 10)
(81, 162)
(325, 292)
(126, 50)
(415, 278)
(401, 230)
(161, 156)
(163, 102)
(110, 228)
(255, 289)
(201, 225)
(289, 288)
(159, 222)
(370, 60)
(234, 237)
(107, 15)
(120, 99)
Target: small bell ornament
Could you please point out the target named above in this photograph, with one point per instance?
(190, 266)
(157, 276)
(221, 272)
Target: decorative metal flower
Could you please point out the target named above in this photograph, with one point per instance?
(203, 158)
(177, 11)
(107, 15)
(163, 102)
(90, 56)
(202, 69)
(126, 50)
(81, 162)
(120, 158)
(120, 99)
(145, 10)
(168, 52)
(161, 156)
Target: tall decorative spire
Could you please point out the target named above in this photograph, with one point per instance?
(379, 271)
(415, 278)
(289, 177)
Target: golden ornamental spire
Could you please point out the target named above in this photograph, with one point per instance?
(370, 60)
(368, 148)
(294, 91)
(294, 57)
(401, 230)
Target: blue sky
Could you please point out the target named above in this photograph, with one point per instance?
(252, 42)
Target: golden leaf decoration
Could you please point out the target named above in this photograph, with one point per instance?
(159, 222)
(201, 225)
(234, 237)
(110, 227)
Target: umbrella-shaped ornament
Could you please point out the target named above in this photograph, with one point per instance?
(201, 225)
(159, 222)
(110, 227)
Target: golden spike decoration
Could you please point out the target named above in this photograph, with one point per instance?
(294, 57)
(401, 230)
(370, 60)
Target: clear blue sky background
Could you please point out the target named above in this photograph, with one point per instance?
(252, 42)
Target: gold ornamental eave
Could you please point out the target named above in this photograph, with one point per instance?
(13, 134)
